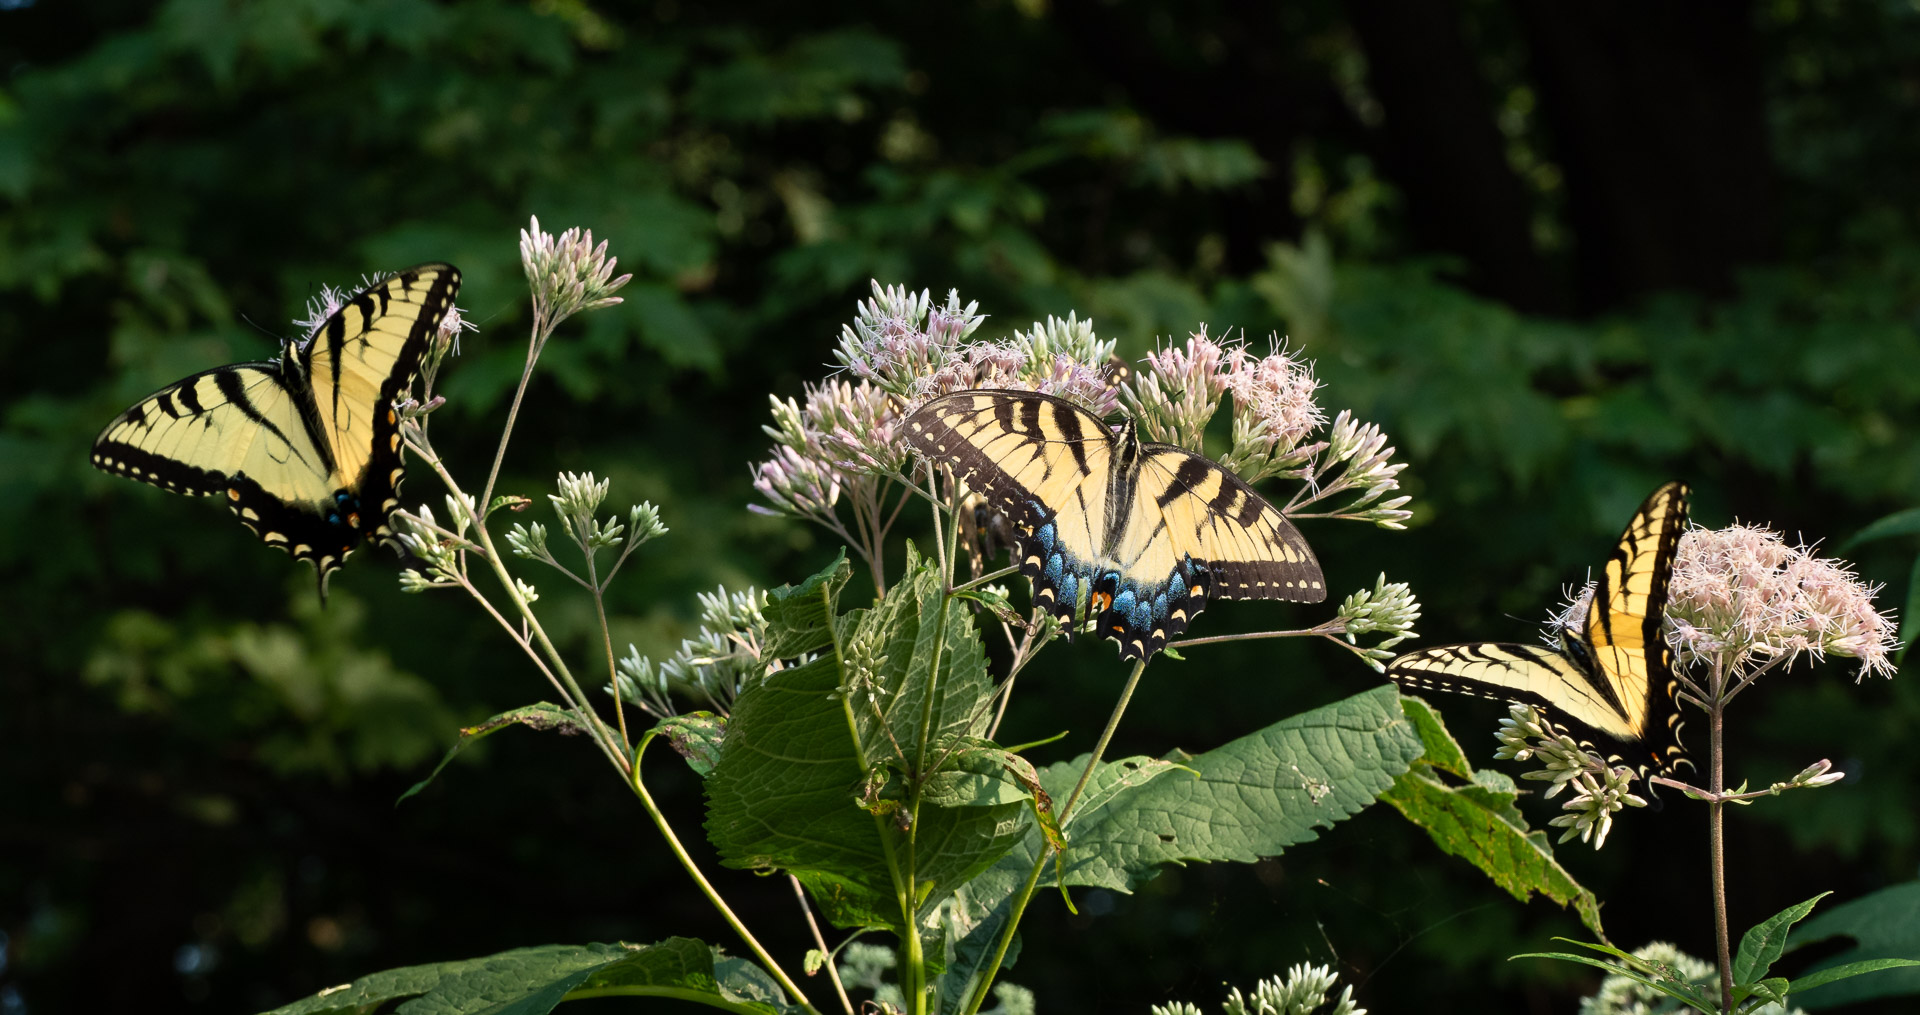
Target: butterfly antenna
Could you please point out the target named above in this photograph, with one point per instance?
(270, 333)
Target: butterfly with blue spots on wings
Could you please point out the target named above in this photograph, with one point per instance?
(1136, 536)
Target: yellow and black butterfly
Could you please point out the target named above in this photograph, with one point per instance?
(1611, 678)
(1138, 536)
(305, 447)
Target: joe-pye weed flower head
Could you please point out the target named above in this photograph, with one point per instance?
(1744, 600)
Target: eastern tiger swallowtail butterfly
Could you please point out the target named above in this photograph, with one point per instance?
(1611, 678)
(305, 447)
(1139, 536)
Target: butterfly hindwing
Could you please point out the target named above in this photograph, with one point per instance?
(1612, 679)
(1134, 536)
(305, 449)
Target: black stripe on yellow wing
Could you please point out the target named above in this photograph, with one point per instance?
(1134, 536)
(305, 448)
(1612, 679)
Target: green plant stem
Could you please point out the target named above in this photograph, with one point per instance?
(1020, 901)
(916, 957)
(541, 329)
(706, 887)
(985, 578)
(1106, 737)
(1221, 639)
(813, 925)
(1716, 838)
(902, 892)
(606, 637)
(585, 706)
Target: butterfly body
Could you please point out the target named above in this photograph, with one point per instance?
(1610, 674)
(1136, 536)
(304, 448)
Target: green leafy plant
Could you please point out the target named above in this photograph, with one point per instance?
(850, 748)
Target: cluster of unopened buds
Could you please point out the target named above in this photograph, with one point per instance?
(568, 273)
(1600, 790)
(1303, 991)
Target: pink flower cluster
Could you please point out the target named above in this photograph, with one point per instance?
(1273, 398)
(1741, 595)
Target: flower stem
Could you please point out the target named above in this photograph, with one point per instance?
(1106, 737)
(513, 413)
(606, 637)
(1020, 901)
(833, 971)
(706, 887)
(985, 578)
(1716, 837)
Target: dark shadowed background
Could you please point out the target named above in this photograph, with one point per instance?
(1562, 252)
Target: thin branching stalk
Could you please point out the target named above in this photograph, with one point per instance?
(606, 638)
(1020, 901)
(534, 344)
(1022, 654)
(1330, 630)
(581, 704)
(706, 887)
(985, 578)
(833, 971)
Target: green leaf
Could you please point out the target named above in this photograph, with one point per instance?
(1763, 943)
(919, 627)
(540, 716)
(1686, 993)
(1479, 821)
(1440, 750)
(1250, 798)
(812, 775)
(531, 981)
(1833, 973)
(977, 776)
(1772, 990)
(1899, 523)
(507, 500)
(697, 736)
(800, 617)
(1885, 926)
(1247, 799)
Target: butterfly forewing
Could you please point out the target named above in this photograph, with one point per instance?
(1253, 550)
(365, 356)
(187, 436)
(1618, 684)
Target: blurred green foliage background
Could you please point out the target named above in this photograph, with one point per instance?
(1562, 252)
